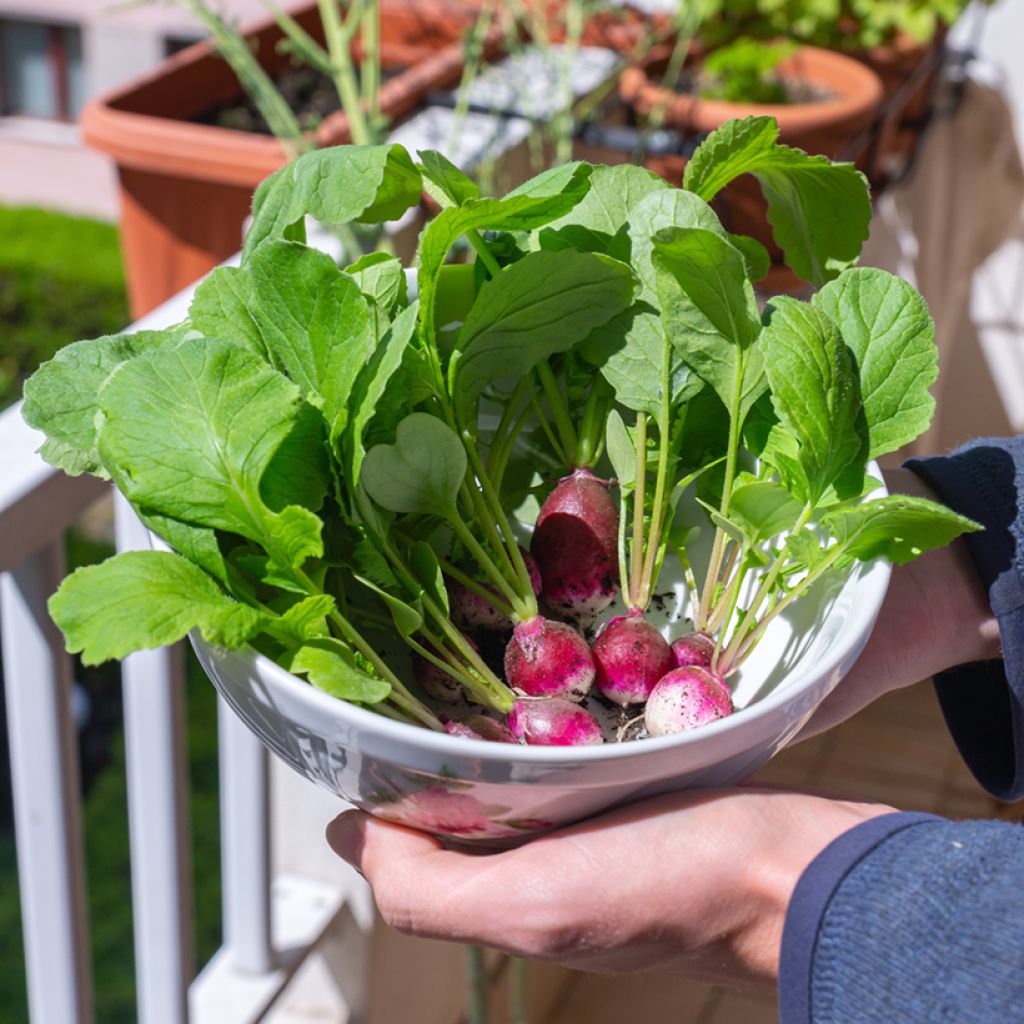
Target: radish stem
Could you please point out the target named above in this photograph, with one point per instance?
(636, 550)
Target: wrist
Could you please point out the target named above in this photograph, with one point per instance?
(812, 824)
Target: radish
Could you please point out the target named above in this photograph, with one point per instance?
(693, 649)
(480, 727)
(630, 656)
(684, 699)
(548, 659)
(553, 722)
(471, 611)
(576, 546)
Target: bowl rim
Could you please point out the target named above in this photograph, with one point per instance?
(871, 589)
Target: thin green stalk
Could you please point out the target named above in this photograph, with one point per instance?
(302, 43)
(732, 599)
(564, 118)
(344, 74)
(485, 254)
(734, 659)
(497, 472)
(478, 1011)
(717, 617)
(511, 544)
(591, 432)
(463, 532)
(559, 407)
(623, 574)
(472, 56)
(517, 991)
(506, 423)
(483, 518)
(471, 584)
(546, 427)
(370, 65)
(636, 552)
(660, 495)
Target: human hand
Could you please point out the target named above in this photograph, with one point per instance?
(695, 883)
(935, 616)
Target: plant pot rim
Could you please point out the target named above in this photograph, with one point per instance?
(180, 148)
(859, 89)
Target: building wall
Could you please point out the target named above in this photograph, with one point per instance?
(44, 163)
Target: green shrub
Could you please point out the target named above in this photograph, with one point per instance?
(61, 279)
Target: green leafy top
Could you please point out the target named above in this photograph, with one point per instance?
(323, 451)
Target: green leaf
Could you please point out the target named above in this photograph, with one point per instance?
(62, 396)
(316, 323)
(331, 667)
(189, 433)
(756, 257)
(897, 527)
(634, 349)
(804, 550)
(427, 570)
(307, 618)
(545, 303)
(366, 184)
(373, 383)
(454, 185)
(621, 451)
(551, 195)
(220, 308)
(763, 509)
(815, 391)
(711, 313)
(406, 617)
(887, 327)
(197, 543)
(299, 471)
(606, 211)
(421, 472)
(819, 211)
(380, 277)
(144, 599)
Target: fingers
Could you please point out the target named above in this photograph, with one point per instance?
(422, 888)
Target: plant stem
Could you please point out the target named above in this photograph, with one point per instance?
(636, 551)
(471, 584)
(370, 64)
(504, 525)
(659, 509)
(483, 518)
(559, 408)
(480, 248)
(546, 427)
(563, 121)
(344, 75)
(462, 531)
(591, 432)
(497, 473)
(623, 574)
(476, 969)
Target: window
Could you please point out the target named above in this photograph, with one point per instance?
(41, 68)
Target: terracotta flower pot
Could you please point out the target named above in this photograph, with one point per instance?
(831, 127)
(186, 188)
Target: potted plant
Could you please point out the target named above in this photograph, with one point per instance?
(344, 515)
(186, 186)
(822, 102)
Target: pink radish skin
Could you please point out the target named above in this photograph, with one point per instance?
(480, 727)
(631, 656)
(435, 681)
(576, 546)
(684, 699)
(471, 611)
(553, 722)
(548, 659)
(693, 649)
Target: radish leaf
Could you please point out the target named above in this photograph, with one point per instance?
(332, 667)
(887, 326)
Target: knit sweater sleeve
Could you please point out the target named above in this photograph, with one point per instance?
(909, 917)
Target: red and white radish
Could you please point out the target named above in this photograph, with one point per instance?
(471, 611)
(480, 727)
(576, 546)
(548, 659)
(630, 656)
(693, 649)
(684, 699)
(553, 722)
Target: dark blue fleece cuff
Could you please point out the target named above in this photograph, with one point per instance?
(811, 898)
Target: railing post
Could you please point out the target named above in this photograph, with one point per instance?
(47, 794)
(245, 845)
(153, 685)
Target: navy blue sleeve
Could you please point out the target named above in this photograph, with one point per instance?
(912, 919)
(984, 703)
(908, 917)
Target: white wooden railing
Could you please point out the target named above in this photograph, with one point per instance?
(271, 922)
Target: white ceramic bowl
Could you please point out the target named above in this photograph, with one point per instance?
(496, 793)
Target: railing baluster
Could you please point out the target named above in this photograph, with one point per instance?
(154, 726)
(45, 784)
(245, 844)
